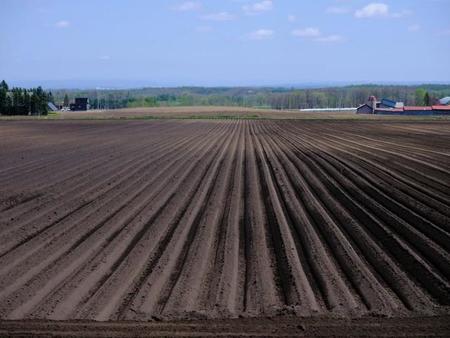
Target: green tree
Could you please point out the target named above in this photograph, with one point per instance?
(42, 99)
(427, 99)
(26, 102)
(186, 100)
(420, 97)
(4, 85)
(150, 101)
(3, 98)
(66, 100)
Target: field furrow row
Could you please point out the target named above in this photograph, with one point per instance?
(150, 220)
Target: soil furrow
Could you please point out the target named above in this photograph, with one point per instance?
(224, 219)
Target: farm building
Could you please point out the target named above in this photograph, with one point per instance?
(386, 103)
(441, 110)
(364, 109)
(445, 101)
(51, 106)
(389, 111)
(390, 107)
(369, 106)
(81, 103)
(373, 104)
(418, 110)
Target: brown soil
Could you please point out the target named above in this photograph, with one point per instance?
(213, 112)
(203, 112)
(217, 112)
(216, 220)
(249, 327)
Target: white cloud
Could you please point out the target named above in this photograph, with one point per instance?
(330, 38)
(315, 34)
(337, 10)
(187, 6)
(309, 32)
(105, 57)
(258, 7)
(414, 28)
(292, 18)
(375, 9)
(220, 16)
(261, 34)
(379, 10)
(62, 24)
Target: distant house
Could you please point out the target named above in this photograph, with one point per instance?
(390, 107)
(386, 103)
(81, 103)
(364, 109)
(372, 105)
(368, 107)
(445, 101)
(52, 107)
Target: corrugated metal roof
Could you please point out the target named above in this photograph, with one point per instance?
(389, 103)
(365, 104)
(441, 107)
(52, 106)
(389, 109)
(392, 103)
(416, 108)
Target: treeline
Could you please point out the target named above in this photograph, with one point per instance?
(353, 96)
(21, 101)
(265, 97)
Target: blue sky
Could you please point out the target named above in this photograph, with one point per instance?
(223, 42)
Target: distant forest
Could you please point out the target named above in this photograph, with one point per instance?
(264, 97)
(21, 101)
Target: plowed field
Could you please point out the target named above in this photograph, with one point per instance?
(176, 220)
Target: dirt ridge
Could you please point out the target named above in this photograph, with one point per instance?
(176, 220)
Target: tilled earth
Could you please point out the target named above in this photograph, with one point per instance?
(217, 220)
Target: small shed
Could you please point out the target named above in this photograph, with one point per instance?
(81, 103)
(364, 109)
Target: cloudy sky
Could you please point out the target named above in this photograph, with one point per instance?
(224, 42)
